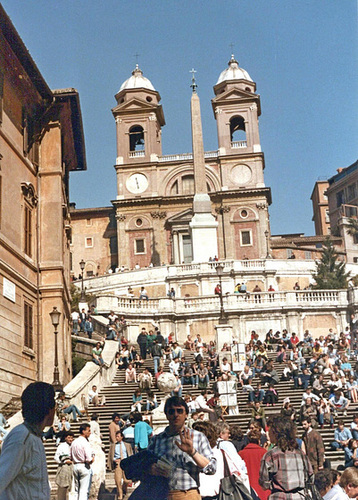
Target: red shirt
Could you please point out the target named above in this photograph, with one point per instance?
(252, 454)
(294, 340)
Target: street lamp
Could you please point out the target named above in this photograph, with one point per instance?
(55, 319)
(83, 295)
(220, 272)
(268, 256)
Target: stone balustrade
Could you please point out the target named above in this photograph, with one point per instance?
(236, 302)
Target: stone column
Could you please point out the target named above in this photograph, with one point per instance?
(176, 247)
(223, 334)
(123, 250)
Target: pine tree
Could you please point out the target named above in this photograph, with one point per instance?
(330, 272)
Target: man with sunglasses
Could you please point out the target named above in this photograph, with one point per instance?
(188, 450)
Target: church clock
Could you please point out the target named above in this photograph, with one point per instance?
(241, 174)
(137, 183)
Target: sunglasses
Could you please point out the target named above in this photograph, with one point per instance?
(173, 411)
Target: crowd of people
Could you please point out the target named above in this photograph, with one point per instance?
(270, 458)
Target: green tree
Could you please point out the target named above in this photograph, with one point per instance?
(353, 228)
(330, 272)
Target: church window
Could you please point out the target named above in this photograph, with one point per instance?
(188, 184)
(175, 188)
(89, 242)
(136, 138)
(237, 129)
(244, 214)
(88, 222)
(245, 237)
(139, 246)
(28, 325)
(139, 222)
(289, 253)
(308, 255)
(89, 270)
(148, 98)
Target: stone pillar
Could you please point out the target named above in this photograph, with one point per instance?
(176, 247)
(123, 250)
(223, 334)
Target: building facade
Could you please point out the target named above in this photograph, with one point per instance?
(320, 208)
(154, 204)
(41, 142)
(342, 194)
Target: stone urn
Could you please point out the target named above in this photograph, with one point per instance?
(165, 383)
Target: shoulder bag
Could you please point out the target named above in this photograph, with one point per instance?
(231, 488)
(311, 492)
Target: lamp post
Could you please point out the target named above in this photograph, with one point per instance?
(220, 272)
(83, 295)
(268, 256)
(55, 319)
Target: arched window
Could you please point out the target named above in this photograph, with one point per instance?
(188, 184)
(136, 138)
(237, 129)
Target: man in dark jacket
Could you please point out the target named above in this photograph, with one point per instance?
(314, 445)
(142, 342)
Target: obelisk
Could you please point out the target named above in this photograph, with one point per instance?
(203, 225)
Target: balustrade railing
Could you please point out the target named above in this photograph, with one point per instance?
(232, 302)
(239, 144)
(185, 156)
(136, 154)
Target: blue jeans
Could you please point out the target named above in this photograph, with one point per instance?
(74, 410)
(156, 360)
(321, 419)
(187, 380)
(99, 361)
(75, 327)
(151, 405)
(259, 398)
(205, 379)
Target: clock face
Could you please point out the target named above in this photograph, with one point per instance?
(241, 174)
(137, 183)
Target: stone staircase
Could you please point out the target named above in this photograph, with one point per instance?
(119, 399)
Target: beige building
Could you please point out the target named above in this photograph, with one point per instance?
(41, 142)
(334, 203)
(320, 208)
(94, 240)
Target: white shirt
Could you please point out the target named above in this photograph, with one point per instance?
(23, 470)
(75, 316)
(237, 462)
(63, 452)
(210, 484)
(336, 493)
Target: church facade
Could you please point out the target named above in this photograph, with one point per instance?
(154, 203)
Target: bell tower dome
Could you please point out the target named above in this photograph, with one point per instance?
(139, 119)
(236, 109)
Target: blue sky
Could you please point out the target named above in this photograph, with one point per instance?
(302, 54)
